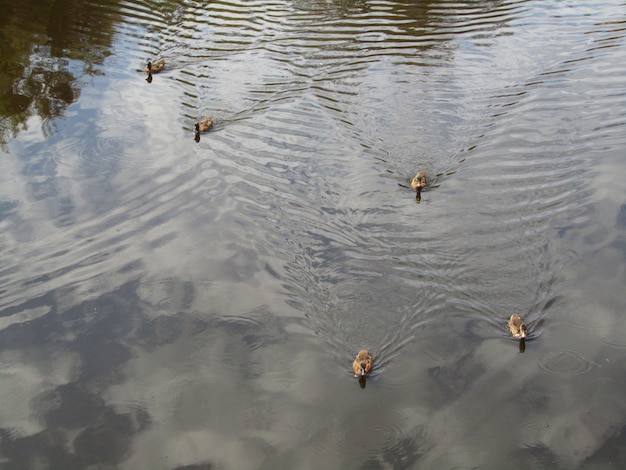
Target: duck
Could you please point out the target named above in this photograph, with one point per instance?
(154, 67)
(362, 364)
(419, 181)
(204, 125)
(517, 327)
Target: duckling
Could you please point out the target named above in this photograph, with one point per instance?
(517, 327)
(419, 181)
(362, 364)
(204, 125)
(155, 67)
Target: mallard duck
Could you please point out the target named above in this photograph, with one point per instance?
(362, 364)
(517, 327)
(154, 67)
(419, 181)
(204, 125)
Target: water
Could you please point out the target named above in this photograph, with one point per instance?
(167, 303)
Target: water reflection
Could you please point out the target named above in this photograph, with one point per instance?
(170, 304)
(362, 382)
(45, 58)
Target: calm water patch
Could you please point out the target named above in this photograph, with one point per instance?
(171, 302)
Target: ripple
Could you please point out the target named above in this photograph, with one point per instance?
(615, 334)
(372, 440)
(563, 362)
(24, 316)
(536, 456)
(247, 328)
(322, 109)
(459, 456)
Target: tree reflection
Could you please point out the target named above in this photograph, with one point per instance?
(46, 47)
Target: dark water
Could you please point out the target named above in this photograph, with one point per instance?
(172, 304)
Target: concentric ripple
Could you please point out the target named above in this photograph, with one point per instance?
(563, 362)
(202, 287)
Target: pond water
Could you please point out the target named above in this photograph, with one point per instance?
(174, 304)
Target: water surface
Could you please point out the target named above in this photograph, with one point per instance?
(167, 303)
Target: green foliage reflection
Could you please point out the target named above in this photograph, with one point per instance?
(47, 46)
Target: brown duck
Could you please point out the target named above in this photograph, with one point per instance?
(154, 67)
(204, 125)
(362, 364)
(517, 327)
(419, 181)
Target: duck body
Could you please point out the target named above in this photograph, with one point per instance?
(362, 364)
(204, 125)
(517, 327)
(419, 181)
(155, 67)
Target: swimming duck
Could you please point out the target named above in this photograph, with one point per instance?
(154, 67)
(419, 181)
(204, 125)
(517, 327)
(362, 364)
